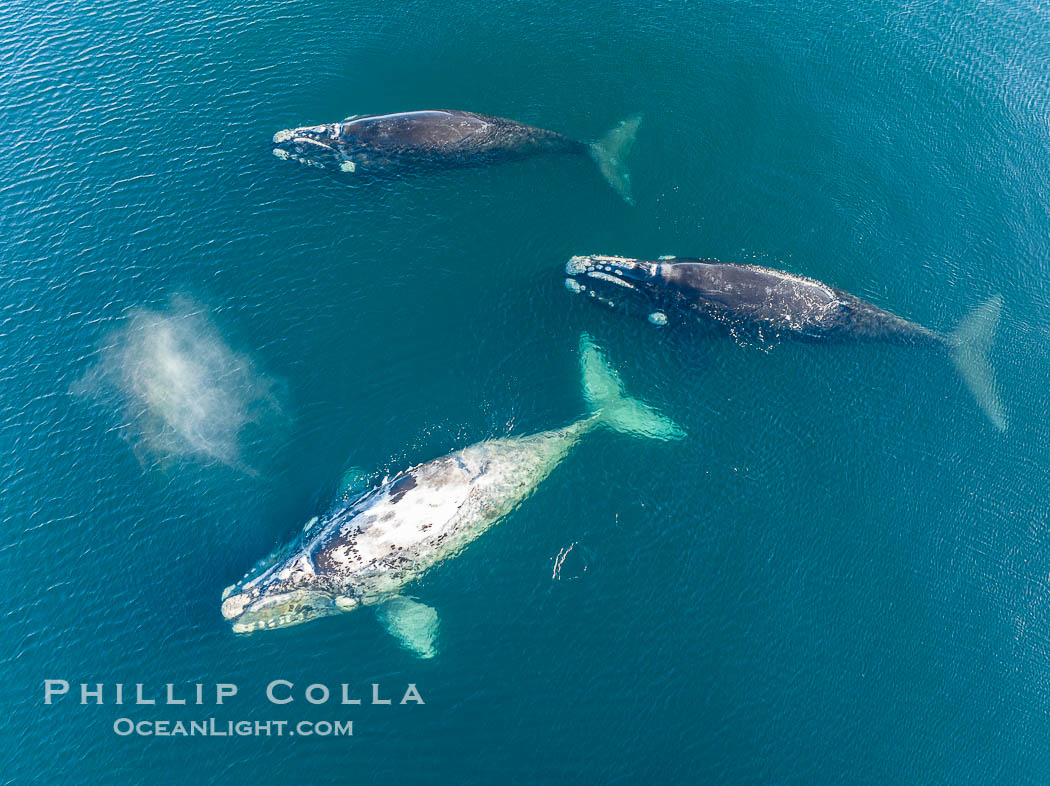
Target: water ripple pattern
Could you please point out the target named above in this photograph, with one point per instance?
(841, 576)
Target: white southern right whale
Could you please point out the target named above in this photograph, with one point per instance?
(363, 553)
(744, 297)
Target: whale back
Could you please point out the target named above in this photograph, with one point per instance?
(430, 512)
(442, 133)
(763, 297)
(428, 128)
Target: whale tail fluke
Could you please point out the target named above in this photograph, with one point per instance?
(969, 345)
(605, 395)
(610, 153)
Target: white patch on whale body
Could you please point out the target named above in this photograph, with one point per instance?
(347, 166)
(283, 136)
(658, 318)
(425, 513)
(181, 390)
(284, 155)
(232, 607)
(573, 285)
(431, 511)
(577, 265)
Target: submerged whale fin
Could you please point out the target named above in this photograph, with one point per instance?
(605, 395)
(610, 151)
(969, 345)
(412, 623)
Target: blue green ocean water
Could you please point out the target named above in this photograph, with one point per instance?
(841, 576)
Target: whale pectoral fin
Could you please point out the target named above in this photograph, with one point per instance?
(309, 526)
(413, 624)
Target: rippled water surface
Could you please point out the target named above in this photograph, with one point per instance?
(842, 575)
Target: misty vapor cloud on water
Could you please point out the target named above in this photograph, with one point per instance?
(180, 390)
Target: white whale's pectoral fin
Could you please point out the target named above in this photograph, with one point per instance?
(413, 624)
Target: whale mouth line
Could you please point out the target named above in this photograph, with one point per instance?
(304, 158)
(575, 277)
(316, 136)
(610, 278)
(574, 285)
(297, 133)
(248, 613)
(311, 141)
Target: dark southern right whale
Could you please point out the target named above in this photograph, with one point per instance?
(743, 297)
(443, 138)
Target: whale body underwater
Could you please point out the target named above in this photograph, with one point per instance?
(773, 303)
(363, 553)
(445, 138)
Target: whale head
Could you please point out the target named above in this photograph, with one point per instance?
(316, 146)
(632, 285)
(288, 592)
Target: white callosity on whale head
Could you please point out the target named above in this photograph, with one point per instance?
(600, 266)
(288, 134)
(296, 144)
(581, 289)
(233, 606)
(578, 264)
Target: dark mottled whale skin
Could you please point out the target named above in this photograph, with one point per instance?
(774, 303)
(444, 138)
(449, 138)
(759, 298)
